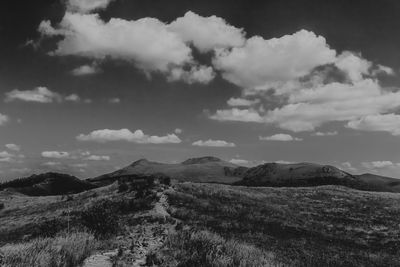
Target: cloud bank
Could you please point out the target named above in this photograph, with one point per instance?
(107, 135)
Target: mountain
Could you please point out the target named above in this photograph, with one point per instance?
(299, 174)
(47, 184)
(204, 169)
(380, 183)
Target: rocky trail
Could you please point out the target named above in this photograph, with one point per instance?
(140, 240)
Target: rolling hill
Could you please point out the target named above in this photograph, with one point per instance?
(47, 184)
(304, 175)
(380, 183)
(204, 170)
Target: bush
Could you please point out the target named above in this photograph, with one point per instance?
(66, 250)
(2, 206)
(101, 218)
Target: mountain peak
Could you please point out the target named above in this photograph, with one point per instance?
(201, 160)
(140, 161)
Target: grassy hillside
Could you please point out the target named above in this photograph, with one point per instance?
(380, 183)
(47, 184)
(205, 169)
(309, 174)
(320, 226)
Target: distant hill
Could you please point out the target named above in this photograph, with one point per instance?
(309, 174)
(204, 169)
(380, 183)
(47, 184)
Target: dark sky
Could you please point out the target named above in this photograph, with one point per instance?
(151, 103)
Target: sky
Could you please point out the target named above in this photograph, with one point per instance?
(89, 86)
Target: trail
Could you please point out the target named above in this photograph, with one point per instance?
(141, 239)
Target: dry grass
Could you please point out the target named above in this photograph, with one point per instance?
(320, 226)
(203, 248)
(65, 250)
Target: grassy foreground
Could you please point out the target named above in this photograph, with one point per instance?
(322, 226)
(64, 251)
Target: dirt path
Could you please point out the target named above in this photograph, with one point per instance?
(142, 239)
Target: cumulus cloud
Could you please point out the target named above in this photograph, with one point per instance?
(196, 74)
(213, 143)
(73, 98)
(56, 154)
(386, 122)
(85, 6)
(178, 131)
(353, 65)
(325, 133)
(107, 135)
(235, 114)
(309, 108)
(146, 42)
(241, 102)
(3, 119)
(98, 158)
(261, 62)
(39, 94)
(85, 70)
(6, 156)
(13, 147)
(280, 137)
(377, 164)
(207, 33)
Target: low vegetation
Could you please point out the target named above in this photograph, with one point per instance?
(203, 248)
(64, 250)
(322, 226)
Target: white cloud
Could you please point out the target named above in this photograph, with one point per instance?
(353, 65)
(207, 33)
(349, 167)
(241, 102)
(235, 114)
(114, 100)
(39, 94)
(56, 154)
(325, 133)
(196, 74)
(377, 164)
(73, 98)
(98, 158)
(386, 122)
(309, 108)
(85, 70)
(107, 135)
(147, 42)
(280, 137)
(243, 162)
(178, 131)
(13, 147)
(85, 6)
(3, 119)
(6, 156)
(51, 163)
(261, 62)
(213, 143)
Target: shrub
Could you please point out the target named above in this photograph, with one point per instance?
(62, 251)
(2, 206)
(101, 218)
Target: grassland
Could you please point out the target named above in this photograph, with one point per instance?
(319, 226)
(204, 225)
